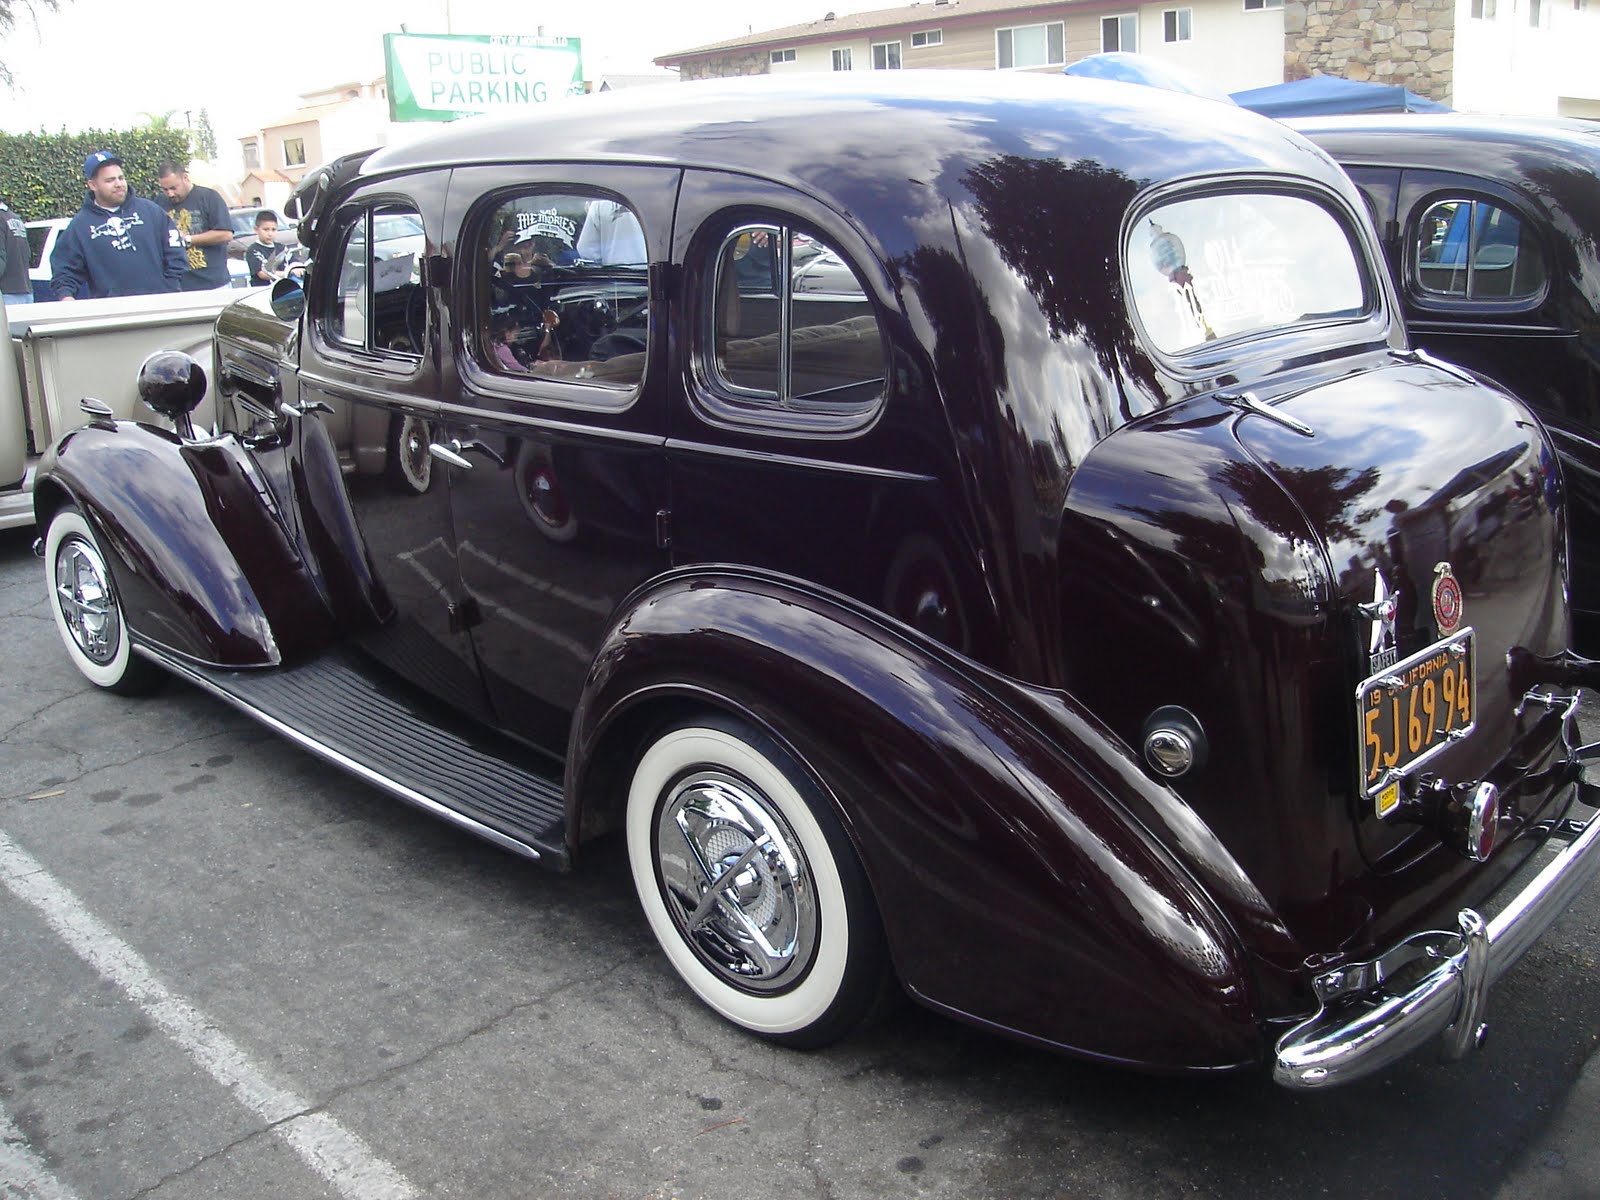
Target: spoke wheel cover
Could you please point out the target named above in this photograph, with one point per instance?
(736, 881)
(84, 597)
(749, 885)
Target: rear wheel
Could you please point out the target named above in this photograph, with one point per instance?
(87, 611)
(751, 886)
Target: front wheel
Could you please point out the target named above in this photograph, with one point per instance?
(87, 611)
(751, 886)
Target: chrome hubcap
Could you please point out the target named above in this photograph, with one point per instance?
(83, 593)
(736, 882)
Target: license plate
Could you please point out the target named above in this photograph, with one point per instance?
(1411, 711)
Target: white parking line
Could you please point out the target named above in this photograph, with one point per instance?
(328, 1148)
(23, 1174)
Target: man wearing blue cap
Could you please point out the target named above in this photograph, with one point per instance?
(118, 244)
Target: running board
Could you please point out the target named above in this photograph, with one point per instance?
(349, 715)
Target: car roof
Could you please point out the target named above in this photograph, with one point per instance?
(869, 134)
(1452, 139)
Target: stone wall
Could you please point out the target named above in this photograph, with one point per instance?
(735, 62)
(1409, 42)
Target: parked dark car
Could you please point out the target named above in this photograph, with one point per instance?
(1058, 591)
(1491, 228)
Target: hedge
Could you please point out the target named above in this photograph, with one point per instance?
(41, 174)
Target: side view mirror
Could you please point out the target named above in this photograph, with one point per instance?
(288, 299)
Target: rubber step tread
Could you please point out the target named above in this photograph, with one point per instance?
(338, 702)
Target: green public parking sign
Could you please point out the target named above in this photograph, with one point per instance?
(438, 77)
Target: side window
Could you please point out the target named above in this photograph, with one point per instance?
(1473, 249)
(793, 333)
(564, 289)
(379, 304)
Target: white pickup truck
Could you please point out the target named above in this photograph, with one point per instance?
(63, 351)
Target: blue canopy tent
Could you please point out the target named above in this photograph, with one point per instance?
(1322, 94)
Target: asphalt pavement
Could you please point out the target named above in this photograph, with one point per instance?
(227, 970)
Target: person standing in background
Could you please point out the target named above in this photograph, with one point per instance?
(201, 215)
(118, 244)
(15, 258)
(262, 258)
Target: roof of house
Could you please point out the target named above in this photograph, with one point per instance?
(833, 25)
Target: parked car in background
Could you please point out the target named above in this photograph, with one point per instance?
(42, 236)
(1122, 641)
(1491, 229)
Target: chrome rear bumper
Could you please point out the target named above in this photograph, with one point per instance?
(1363, 1026)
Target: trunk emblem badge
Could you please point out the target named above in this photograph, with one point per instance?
(1447, 602)
(1382, 650)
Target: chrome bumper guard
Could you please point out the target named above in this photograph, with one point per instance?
(1349, 1039)
(1363, 1026)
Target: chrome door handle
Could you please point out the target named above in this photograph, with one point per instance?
(300, 410)
(456, 451)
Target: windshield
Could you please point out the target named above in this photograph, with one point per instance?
(1234, 264)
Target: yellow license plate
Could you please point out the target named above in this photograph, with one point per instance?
(1411, 711)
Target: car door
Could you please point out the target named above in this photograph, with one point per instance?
(369, 397)
(803, 440)
(553, 428)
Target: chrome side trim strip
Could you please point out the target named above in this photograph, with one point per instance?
(306, 742)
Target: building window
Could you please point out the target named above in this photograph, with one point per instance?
(294, 152)
(841, 59)
(1261, 5)
(886, 56)
(927, 37)
(1177, 25)
(252, 155)
(1119, 33)
(1483, 10)
(1031, 46)
(783, 56)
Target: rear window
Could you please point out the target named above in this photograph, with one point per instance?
(1237, 264)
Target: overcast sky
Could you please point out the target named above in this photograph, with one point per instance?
(105, 63)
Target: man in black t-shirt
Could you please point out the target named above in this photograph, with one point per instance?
(201, 216)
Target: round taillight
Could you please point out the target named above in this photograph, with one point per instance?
(1483, 821)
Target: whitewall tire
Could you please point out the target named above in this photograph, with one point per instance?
(87, 611)
(751, 886)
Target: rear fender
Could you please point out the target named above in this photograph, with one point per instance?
(199, 557)
(1015, 888)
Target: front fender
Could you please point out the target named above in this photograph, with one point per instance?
(201, 563)
(1016, 889)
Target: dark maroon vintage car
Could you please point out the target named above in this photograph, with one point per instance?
(981, 536)
(1491, 229)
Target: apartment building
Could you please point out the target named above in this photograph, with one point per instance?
(1522, 56)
